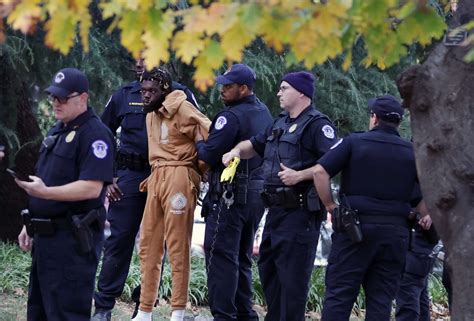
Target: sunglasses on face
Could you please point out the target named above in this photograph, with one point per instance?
(62, 100)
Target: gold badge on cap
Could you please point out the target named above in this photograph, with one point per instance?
(292, 128)
(70, 136)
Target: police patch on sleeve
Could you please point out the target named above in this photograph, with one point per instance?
(99, 148)
(220, 122)
(328, 131)
(336, 144)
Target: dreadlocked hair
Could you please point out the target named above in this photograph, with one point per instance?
(161, 76)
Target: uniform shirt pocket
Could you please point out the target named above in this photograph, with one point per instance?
(134, 120)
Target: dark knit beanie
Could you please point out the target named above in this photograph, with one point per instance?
(302, 81)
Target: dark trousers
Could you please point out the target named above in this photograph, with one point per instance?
(125, 217)
(287, 254)
(62, 278)
(376, 263)
(228, 246)
(413, 303)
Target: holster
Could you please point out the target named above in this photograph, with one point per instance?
(347, 220)
(81, 226)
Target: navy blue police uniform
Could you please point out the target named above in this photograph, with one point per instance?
(125, 110)
(412, 300)
(291, 232)
(62, 274)
(230, 231)
(378, 177)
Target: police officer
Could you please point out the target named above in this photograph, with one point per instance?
(378, 177)
(412, 300)
(290, 148)
(66, 204)
(230, 228)
(125, 110)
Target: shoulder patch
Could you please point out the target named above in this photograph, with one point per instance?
(99, 148)
(328, 131)
(336, 144)
(220, 122)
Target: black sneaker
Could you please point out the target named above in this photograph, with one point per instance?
(102, 315)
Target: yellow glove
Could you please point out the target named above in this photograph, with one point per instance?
(228, 173)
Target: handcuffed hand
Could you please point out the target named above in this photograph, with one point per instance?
(113, 191)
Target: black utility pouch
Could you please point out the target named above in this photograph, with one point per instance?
(42, 226)
(241, 188)
(312, 200)
(287, 197)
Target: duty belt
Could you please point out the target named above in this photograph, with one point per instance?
(133, 161)
(47, 226)
(291, 197)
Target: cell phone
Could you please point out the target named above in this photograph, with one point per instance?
(18, 176)
(2, 148)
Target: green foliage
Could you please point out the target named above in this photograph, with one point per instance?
(316, 290)
(436, 289)
(15, 268)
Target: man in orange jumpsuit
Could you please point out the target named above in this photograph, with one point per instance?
(173, 125)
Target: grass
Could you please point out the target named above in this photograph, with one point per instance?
(15, 267)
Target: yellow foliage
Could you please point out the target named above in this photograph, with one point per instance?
(188, 45)
(207, 33)
(235, 40)
(157, 37)
(25, 16)
(61, 30)
(132, 24)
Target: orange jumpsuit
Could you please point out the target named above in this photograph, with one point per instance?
(173, 187)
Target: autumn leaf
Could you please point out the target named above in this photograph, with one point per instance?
(212, 57)
(235, 40)
(157, 37)
(131, 26)
(25, 16)
(61, 31)
(188, 45)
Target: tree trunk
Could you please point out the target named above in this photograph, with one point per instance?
(440, 95)
(17, 118)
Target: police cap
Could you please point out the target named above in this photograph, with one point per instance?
(67, 81)
(387, 108)
(238, 74)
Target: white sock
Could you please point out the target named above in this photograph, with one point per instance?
(177, 315)
(142, 316)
